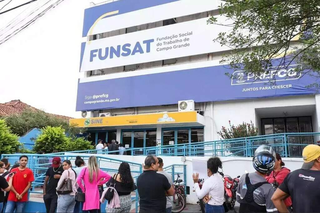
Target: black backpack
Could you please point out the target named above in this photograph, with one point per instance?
(250, 205)
(112, 187)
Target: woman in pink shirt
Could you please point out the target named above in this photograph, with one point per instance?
(89, 180)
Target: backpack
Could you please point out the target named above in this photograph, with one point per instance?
(111, 188)
(251, 205)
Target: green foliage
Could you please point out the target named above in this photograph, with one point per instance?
(22, 123)
(53, 139)
(22, 149)
(8, 142)
(78, 144)
(288, 29)
(239, 131)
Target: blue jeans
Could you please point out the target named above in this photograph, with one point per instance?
(1, 206)
(11, 205)
(168, 210)
(214, 209)
(66, 203)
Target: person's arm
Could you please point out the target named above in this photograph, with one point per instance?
(63, 177)
(5, 186)
(103, 177)
(45, 185)
(270, 178)
(282, 175)
(170, 192)
(80, 178)
(278, 200)
(25, 190)
(205, 187)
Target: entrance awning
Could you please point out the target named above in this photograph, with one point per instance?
(163, 119)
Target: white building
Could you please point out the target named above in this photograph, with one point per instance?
(141, 58)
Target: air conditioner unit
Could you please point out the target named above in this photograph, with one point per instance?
(105, 114)
(85, 114)
(187, 105)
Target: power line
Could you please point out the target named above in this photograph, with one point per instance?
(21, 5)
(30, 22)
(15, 22)
(5, 5)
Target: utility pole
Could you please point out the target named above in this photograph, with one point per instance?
(21, 5)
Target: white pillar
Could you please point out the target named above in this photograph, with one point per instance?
(159, 137)
(118, 135)
(316, 118)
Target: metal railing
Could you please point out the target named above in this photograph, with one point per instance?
(39, 163)
(287, 145)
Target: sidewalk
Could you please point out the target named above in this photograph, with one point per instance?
(196, 209)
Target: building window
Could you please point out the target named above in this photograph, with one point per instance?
(169, 22)
(169, 62)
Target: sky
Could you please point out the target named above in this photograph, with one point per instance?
(40, 65)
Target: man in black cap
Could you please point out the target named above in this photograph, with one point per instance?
(53, 175)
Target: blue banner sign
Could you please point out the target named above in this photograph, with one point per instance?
(200, 84)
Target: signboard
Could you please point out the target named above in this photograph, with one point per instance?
(172, 41)
(131, 120)
(128, 13)
(199, 84)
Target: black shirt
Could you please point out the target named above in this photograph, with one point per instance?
(3, 185)
(52, 182)
(304, 188)
(125, 188)
(152, 189)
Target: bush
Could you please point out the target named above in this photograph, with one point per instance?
(239, 131)
(53, 139)
(20, 124)
(8, 142)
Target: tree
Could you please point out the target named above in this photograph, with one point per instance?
(22, 123)
(53, 139)
(239, 131)
(8, 142)
(287, 29)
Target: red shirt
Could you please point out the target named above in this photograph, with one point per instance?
(20, 182)
(279, 177)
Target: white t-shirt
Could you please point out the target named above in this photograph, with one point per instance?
(99, 146)
(214, 187)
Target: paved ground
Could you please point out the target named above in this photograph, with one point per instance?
(196, 209)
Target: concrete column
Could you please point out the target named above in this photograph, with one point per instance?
(118, 135)
(316, 117)
(159, 138)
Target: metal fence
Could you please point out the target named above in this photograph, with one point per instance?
(39, 163)
(287, 145)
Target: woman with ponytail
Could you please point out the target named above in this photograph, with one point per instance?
(89, 180)
(124, 185)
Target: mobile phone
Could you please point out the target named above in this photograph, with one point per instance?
(12, 173)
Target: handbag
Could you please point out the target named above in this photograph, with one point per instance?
(81, 196)
(112, 187)
(66, 186)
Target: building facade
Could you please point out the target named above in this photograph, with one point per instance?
(150, 74)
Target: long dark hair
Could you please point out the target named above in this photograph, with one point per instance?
(125, 173)
(79, 161)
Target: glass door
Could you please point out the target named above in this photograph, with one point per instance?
(151, 141)
(126, 141)
(168, 139)
(138, 142)
(183, 138)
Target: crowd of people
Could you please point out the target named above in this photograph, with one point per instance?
(271, 188)
(113, 147)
